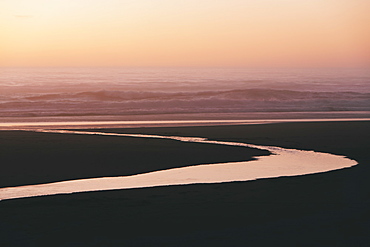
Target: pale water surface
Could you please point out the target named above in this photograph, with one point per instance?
(36, 124)
(150, 92)
(282, 162)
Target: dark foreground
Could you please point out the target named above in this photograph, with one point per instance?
(328, 209)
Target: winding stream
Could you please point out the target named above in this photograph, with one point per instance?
(282, 162)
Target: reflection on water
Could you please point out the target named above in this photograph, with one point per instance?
(282, 162)
(8, 124)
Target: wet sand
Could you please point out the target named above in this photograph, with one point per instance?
(327, 209)
(34, 158)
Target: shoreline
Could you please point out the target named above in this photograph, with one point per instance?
(330, 208)
(181, 117)
(159, 123)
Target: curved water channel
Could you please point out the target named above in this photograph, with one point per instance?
(282, 162)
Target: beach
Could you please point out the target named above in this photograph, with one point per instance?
(184, 123)
(325, 209)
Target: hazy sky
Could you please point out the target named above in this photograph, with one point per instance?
(185, 33)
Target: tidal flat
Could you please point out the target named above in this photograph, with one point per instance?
(324, 209)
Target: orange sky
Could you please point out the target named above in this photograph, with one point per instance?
(255, 33)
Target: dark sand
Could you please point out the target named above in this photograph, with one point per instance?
(31, 157)
(327, 209)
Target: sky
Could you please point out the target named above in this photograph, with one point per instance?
(252, 33)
